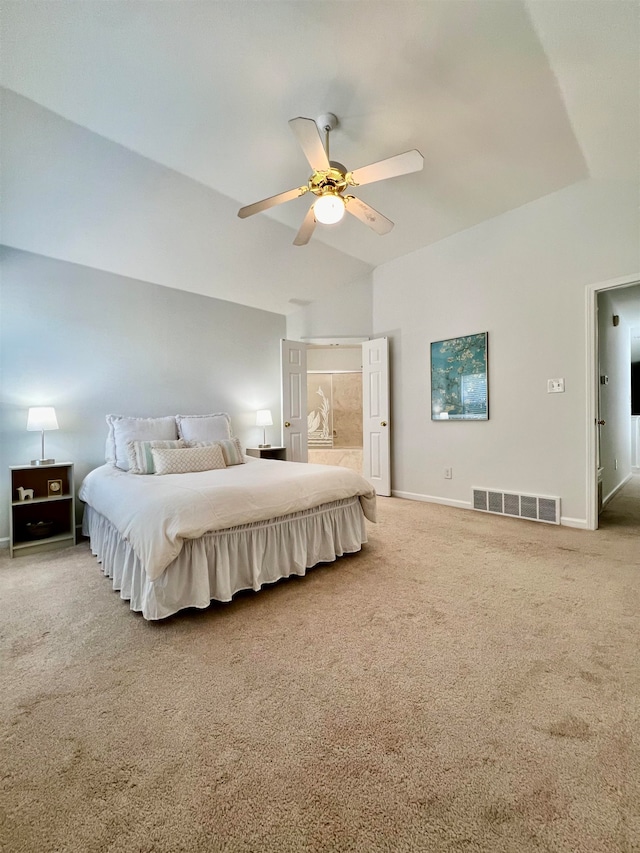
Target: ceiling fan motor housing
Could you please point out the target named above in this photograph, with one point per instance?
(333, 181)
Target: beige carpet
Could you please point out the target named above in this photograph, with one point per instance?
(466, 683)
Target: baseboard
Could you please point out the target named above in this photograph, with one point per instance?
(615, 491)
(4, 543)
(412, 496)
(581, 523)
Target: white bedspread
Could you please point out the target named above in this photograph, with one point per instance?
(155, 514)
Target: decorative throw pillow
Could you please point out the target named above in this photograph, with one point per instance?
(204, 427)
(187, 459)
(124, 429)
(141, 458)
(231, 449)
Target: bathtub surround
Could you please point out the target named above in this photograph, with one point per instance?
(334, 403)
(348, 457)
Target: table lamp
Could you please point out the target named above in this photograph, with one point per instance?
(264, 419)
(42, 418)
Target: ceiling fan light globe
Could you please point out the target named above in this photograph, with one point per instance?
(329, 209)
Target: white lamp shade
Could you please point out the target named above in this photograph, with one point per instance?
(329, 209)
(42, 417)
(263, 418)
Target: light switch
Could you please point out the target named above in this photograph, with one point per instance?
(555, 386)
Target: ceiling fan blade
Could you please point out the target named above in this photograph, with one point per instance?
(266, 203)
(401, 164)
(308, 135)
(362, 211)
(306, 229)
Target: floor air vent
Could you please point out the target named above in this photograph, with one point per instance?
(532, 507)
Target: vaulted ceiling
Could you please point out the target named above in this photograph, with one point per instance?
(507, 101)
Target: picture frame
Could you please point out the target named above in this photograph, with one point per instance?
(459, 378)
(54, 488)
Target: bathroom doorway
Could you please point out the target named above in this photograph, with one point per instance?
(334, 405)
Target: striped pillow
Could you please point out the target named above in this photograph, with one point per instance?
(187, 460)
(231, 449)
(140, 456)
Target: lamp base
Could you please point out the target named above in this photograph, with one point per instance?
(43, 461)
(264, 445)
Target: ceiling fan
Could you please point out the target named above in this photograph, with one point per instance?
(330, 179)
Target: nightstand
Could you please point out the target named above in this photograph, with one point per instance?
(42, 512)
(268, 452)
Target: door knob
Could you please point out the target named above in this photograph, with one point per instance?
(383, 423)
(601, 423)
(287, 424)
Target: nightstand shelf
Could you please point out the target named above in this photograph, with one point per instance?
(46, 520)
(41, 500)
(268, 453)
(43, 544)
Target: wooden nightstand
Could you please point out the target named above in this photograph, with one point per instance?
(268, 452)
(47, 519)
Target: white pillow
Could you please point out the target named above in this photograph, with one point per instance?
(123, 429)
(141, 458)
(204, 427)
(187, 459)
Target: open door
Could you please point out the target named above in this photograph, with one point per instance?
(293, 366)
(600, 422)
(596, 414)
(376, 444)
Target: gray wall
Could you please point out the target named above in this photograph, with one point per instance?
(330, 358)
(71, 194)
(92, 343)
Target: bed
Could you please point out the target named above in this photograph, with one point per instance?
(178, 516)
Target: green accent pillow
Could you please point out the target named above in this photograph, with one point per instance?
(141, 457)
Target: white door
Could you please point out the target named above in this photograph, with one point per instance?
(293, 364)
(376, 450)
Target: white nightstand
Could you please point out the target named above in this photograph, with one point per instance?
(42, 513)
(268, 452)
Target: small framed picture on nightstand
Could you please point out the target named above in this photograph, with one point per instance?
(54, 488)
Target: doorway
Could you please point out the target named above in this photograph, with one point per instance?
(334, 405)
(613, 323)
(376, 443)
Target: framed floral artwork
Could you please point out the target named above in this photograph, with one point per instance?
(459, 386)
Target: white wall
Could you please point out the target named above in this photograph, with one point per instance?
(345, 311)
(614, 351)
(522, 278)
(92, 343)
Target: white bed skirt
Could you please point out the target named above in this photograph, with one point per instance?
(224, 562)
